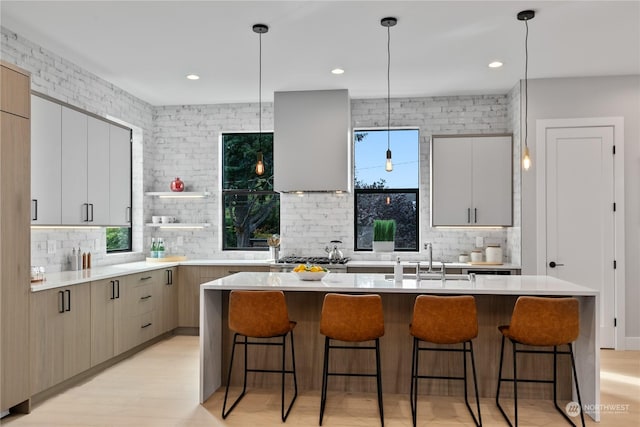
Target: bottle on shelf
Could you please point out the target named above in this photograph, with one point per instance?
(154, 249)
(74, 260)
(160, 248)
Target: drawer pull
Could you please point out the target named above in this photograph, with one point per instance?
(146, 297)
(145, 278)
(145, 325)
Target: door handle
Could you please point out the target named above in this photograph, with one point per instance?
(127, 214)
(34, 217)
(468, 215)
(113, 289)
(169, 277)
(475, 215)
(86, 212)
(91, 220)
(118, 288)
(61, 302)
(554, 264)
(68, 292)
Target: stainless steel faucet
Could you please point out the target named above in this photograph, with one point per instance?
(429, 247)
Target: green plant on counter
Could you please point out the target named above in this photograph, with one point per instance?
(384, 230)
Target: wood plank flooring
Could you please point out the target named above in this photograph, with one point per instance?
(159, 387)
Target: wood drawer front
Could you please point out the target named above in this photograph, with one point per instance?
(148, 277)
(144, 300)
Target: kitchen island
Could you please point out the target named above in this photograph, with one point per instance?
(495, 297)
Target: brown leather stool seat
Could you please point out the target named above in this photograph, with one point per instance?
(260, 314)
(444, 320)
(541, 322)
(351, 318)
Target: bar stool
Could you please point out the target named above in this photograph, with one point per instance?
(444, 320)
(351, 318)
(541, 322)
(259, 315)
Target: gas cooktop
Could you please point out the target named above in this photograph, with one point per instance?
(309, 260)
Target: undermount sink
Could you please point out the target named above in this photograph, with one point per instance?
(430, 276)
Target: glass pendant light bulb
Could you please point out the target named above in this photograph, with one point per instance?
(389, 166)
(526, 160)
(259, 164)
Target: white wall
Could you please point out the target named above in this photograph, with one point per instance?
(581, 98)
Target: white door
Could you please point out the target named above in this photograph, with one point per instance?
(580, 232)
(120, 176)
(74, 168)
(98, 171)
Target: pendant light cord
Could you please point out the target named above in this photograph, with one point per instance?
(260, 96)
(526, 82)
(388, 87)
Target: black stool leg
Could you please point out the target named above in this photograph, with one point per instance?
(244, 386)
(284, 414)
(379, 381)
(413, 394)
(477, 420)
(323, 397)
(575, 380)
(515, 384)
(504, 414)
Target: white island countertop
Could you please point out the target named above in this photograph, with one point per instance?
(349, 282)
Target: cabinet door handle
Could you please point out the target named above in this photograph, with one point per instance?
(169, 277)
(60, 302)
(127, 214)
(146, 325)
(475, 215)
(118, 288)
(468, 215)
(91, 220)
(145, 297)
(34, 203)
(86, 212)
(68, 292)
(145, 278)
(113, 289)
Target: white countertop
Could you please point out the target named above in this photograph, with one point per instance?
(350, 282)
(436, 264)
(69, 278)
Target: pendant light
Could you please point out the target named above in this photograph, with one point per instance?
(526, 16)
(388, 22)
(260, 29)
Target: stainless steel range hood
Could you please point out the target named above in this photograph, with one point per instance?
(312, 141)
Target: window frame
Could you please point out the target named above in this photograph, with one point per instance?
(240, 191)
(357, 191)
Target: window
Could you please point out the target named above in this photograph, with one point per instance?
(251, 207)
(387, 195)
(118, 239)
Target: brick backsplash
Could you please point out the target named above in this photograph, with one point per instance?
(184, 141)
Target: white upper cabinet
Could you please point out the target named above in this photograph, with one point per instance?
(120, 176)
(75, 209)
(45, 161)
(98, 171)
(471, 181)
(81, 168)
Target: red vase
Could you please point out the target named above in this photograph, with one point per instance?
(177, 185)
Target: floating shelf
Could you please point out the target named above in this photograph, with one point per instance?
(180, 225)
(178, 194)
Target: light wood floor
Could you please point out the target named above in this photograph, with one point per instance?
(159, 387)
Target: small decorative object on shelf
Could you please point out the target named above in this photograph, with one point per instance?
(177, 185)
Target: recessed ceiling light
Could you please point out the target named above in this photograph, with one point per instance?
(337, 71)
(495, 64)
(193, 76)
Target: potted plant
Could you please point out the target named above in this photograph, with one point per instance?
(384, 232)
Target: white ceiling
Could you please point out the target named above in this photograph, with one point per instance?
(437, 48)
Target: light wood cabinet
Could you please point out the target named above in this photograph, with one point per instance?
(472, 182)
(60, 335)
(105, 300)
(46, 158)
(170, 299)
(15, 243)
(140, 316)
(191, 277)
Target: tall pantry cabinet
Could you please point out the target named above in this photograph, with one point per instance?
(15, 173)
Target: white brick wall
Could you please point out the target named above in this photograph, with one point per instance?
(183, 141)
